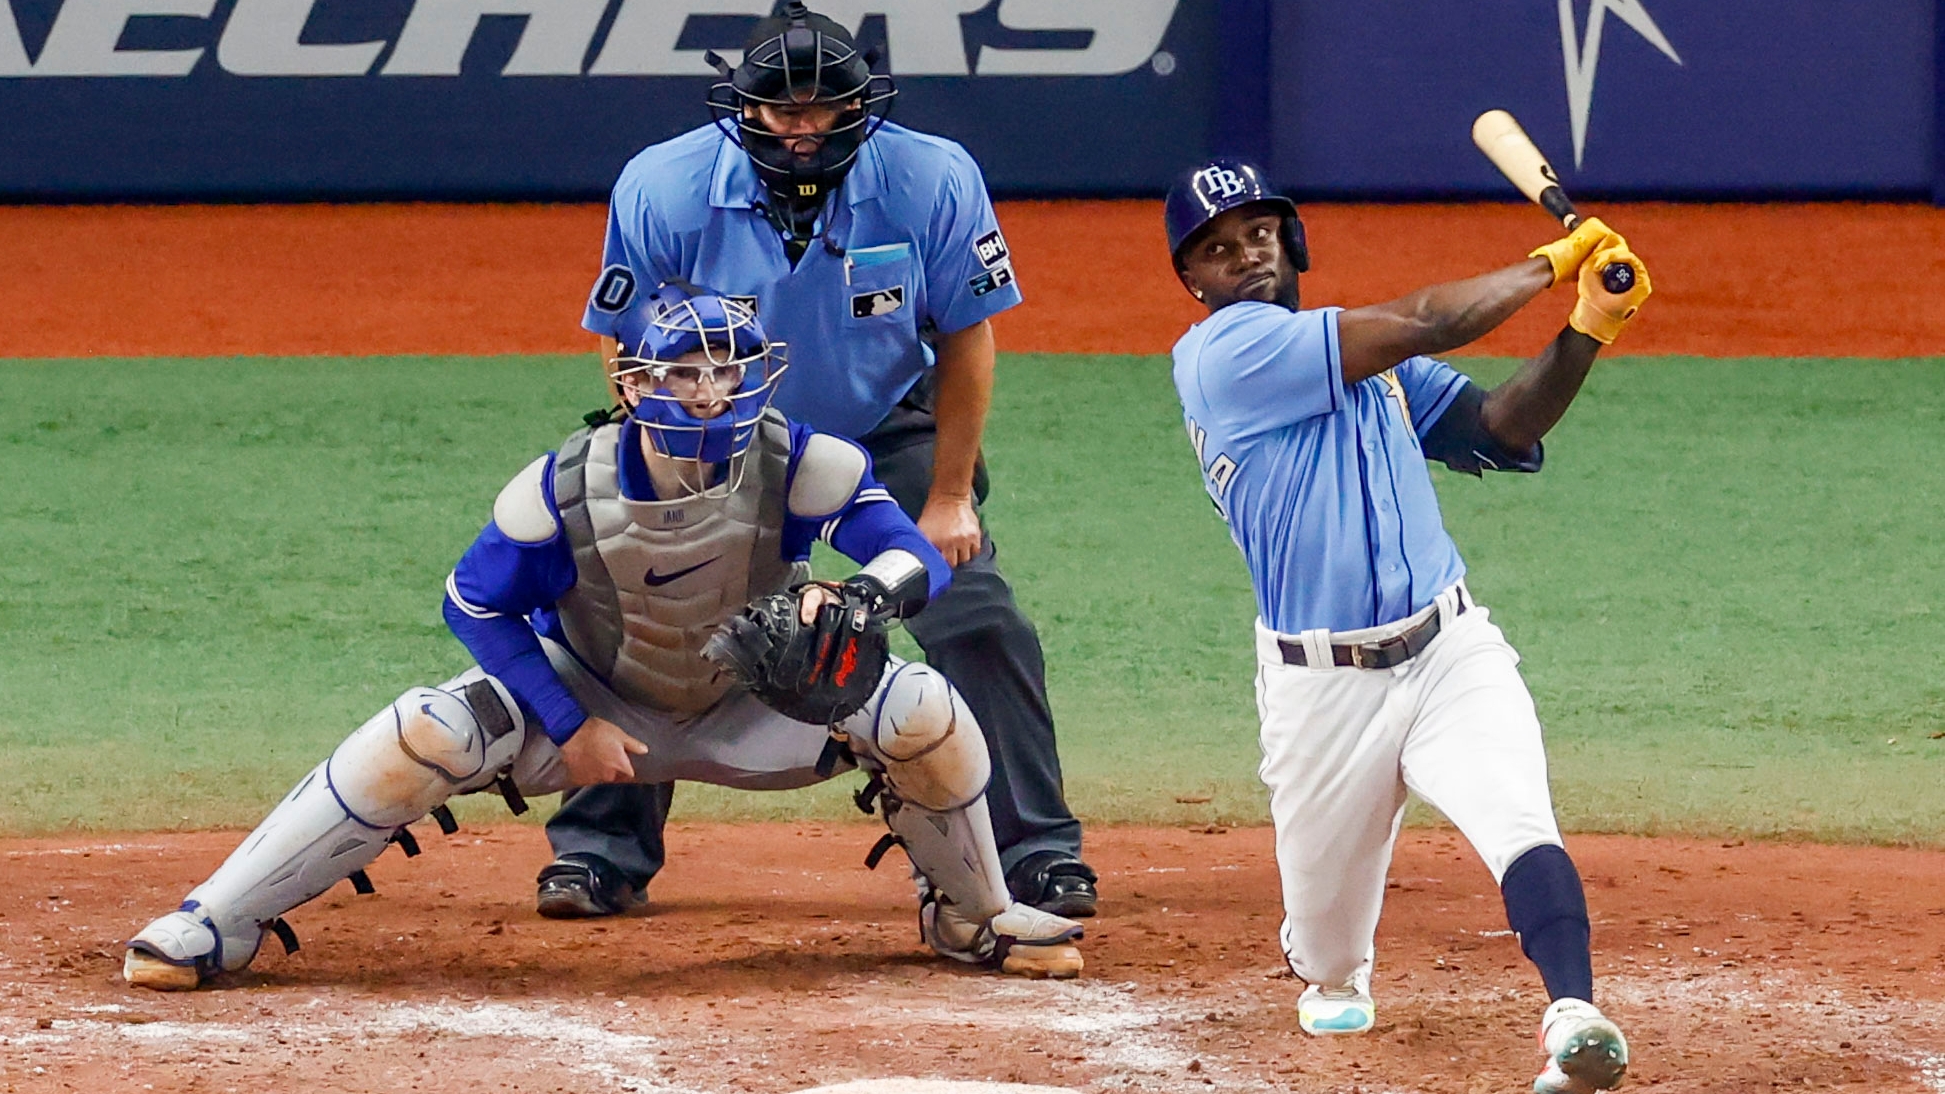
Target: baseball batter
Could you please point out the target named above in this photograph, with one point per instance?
(1378, 671)
(602, 604)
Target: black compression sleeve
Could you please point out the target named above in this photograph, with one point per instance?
(1460, 441)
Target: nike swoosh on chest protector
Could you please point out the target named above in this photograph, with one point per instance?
(654, 580)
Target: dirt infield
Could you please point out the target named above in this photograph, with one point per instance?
(772, 961)
(1731, 280)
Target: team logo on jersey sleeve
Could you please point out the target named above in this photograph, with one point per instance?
(991, 249)
(991, 280)
(865, 305)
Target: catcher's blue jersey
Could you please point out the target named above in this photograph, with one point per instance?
(911, 249)
(501, 594)
(1324, 485)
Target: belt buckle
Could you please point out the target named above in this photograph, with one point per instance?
(1357, 656)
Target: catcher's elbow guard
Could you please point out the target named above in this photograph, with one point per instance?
(899, 583)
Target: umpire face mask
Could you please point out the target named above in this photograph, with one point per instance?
(800, 106)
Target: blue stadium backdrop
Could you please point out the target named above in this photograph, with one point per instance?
(294, 99)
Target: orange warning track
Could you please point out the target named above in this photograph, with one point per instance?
(1731, 280)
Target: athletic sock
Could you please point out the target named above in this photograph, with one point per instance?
(1547, 908)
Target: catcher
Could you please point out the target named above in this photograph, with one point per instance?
(640, 610)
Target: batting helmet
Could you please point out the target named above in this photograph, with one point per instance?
(1205, 192)
(800, 58)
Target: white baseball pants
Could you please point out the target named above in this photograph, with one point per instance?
(1341, 746)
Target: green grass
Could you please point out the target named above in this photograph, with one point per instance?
(1723, 585)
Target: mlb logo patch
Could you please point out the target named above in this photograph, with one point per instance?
(865, 305)
(991, 249)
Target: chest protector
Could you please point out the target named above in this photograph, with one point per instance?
(656, 578)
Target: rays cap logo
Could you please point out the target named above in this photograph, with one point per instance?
(1216, 185)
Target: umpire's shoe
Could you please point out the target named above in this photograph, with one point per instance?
(1054, 882)
(579, 885)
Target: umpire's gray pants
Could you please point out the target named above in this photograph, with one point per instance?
(974, 633)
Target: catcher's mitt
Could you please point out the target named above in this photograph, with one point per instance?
(822, 673)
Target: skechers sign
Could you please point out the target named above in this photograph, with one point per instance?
(547, 98)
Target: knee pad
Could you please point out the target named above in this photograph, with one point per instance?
(920, 730)
(430, 744)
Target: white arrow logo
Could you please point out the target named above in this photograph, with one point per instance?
(1582, 62)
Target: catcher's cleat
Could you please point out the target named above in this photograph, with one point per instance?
(176, 952)
(1323, 1012)
(1585, 1051)
(1054, 882)
(580, 885)
(1021, 941)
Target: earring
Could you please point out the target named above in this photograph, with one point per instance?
(1197, 292)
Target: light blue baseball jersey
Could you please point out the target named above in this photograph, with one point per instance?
(912, 249)
(1324, 485)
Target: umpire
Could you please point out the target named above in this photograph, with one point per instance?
(873, 252)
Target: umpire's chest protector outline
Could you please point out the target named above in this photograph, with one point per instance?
(654, 579)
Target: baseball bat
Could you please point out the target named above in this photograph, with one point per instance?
(1499, 136)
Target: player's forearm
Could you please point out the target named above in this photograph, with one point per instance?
(510, 652)
(963, 396)
(1523, 409)
(1436, 319)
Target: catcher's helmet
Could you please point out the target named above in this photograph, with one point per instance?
(741, 363)
(1205, 192)
(800, 58)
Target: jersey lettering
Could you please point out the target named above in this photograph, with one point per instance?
(1219, 473)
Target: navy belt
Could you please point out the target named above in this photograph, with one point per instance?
(1388, 654)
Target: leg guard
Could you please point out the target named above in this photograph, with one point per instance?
(1547, 908)
(427, 746)
(919, 734)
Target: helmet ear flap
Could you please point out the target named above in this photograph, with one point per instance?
(1295, 245)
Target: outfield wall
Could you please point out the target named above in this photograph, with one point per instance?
(496, 99)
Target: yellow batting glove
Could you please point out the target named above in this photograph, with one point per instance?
(1567, 253)
(1599, 313)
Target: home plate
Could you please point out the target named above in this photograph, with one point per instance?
(934, 1086)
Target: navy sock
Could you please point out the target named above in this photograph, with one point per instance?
(1547, 908)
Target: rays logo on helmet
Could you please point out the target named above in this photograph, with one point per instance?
(1214, 185)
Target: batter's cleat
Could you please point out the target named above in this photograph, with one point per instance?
(1054, 882)
(580, 885)
(1021, 941)
(1585, 1051)
(178, 952)
(1324, 1012)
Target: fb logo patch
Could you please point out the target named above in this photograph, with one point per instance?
(991, 249)
(613, 290)
(865, 305)
(1215, 185)
(991, 280)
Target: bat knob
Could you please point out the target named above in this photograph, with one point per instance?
(1618, 278)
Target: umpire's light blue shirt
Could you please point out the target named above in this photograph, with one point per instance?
(1324, 485)
(923, 255)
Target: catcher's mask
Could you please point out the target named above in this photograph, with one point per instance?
(1206, 191)
(676, 350)
(794, 60)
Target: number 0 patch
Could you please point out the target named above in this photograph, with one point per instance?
(614, 290)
